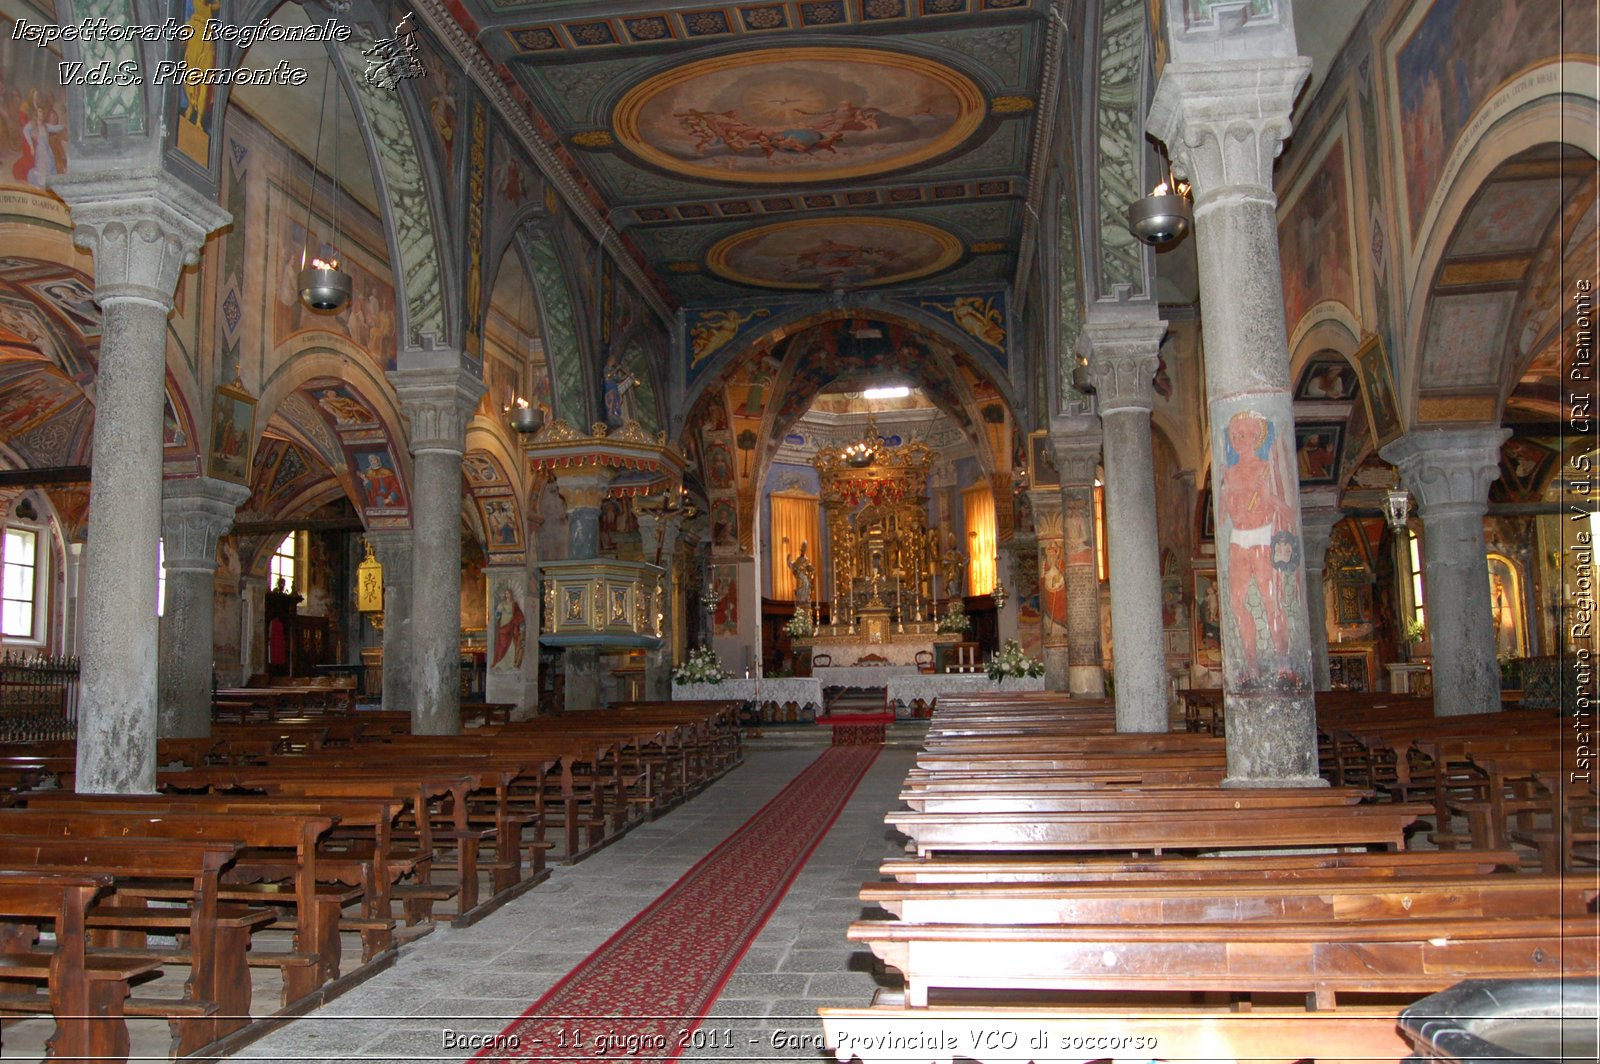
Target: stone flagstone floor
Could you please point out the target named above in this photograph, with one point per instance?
(475, 981)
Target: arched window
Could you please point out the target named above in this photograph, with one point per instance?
(1416, 614)
(281, 574)
(20, 615)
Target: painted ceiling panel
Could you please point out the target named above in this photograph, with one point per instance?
(696, 123)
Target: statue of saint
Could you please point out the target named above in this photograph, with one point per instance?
(802, 569)
(955, 570)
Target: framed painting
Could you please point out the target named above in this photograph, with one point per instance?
(1316, 447)
(233, 415)
(1326, 378)
(1377, 390)
(1207, 620)
(1042, 471)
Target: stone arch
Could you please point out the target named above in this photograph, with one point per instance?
(493, 493)
(1553, 118)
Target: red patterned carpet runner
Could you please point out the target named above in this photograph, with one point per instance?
(644, 991)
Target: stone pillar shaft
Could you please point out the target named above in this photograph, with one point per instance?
(1450, 471)
(658, 536)
(195, 513)
(1124, 364)
(438, 402)
(1053, 595)
(142, 227)
(393, 551)
(1224, 124)
(1077, 451)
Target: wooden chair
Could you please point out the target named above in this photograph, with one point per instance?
(924, 660)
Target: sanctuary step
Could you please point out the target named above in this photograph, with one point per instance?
(848, 700)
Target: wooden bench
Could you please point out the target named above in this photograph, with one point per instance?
(1160, 830)
(85, 992)
(1032, 868)
(1024, 799)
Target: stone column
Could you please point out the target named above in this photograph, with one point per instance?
(1053, 594)
(1224, 123)
(74, 592)
(658, 537)
(1123, 365)
(1076, 442)
(392, 548)
(583, 489)
(1319, 512)
(195, 512)
(437, 402)
(1449, 471)
(143, 228)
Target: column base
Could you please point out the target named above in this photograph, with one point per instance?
(1274, 781)
(1086, 681)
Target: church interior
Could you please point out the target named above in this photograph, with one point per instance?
(992, 519)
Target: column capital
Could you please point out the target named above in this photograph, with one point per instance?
(1122, 361)
(583, 487)
(1076, 443)
(195, 512)
(438, 401)
(143, 227)
(653, 524)
(392, 548)
(1319, 512)
(1225, 122)
(1449, 469)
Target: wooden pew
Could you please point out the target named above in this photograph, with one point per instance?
(1033, 868)
(84, 991)
(1160, 830)
(1106, 799)
(1318, 959)
(315, 958)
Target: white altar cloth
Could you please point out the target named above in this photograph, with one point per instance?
(802, 691)
(860, 675)
(928, 686)
(844, 650)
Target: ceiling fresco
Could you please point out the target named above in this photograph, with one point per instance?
(696, 127)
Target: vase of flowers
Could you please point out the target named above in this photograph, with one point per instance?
(955, 619)
(701, 666)
(800, 626)
(1012, 664)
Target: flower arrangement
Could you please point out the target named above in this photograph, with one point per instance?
(955, 618)
(1012, 663)
(702, 666)
(800, 625)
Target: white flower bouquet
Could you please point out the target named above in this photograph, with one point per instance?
(1012, 663)
(702, 666)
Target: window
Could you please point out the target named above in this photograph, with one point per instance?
(161, 578)
(1414, 561)
(282, 569)
(19, 615)
(978, 507)
(1102, 560)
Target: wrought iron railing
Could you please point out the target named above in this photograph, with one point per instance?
(38, 697)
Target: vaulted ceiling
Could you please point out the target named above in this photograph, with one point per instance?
(783, 148)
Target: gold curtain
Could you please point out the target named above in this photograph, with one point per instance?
(978, 506)
(794, 515)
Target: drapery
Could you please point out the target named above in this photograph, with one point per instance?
(795, 518)
(978, 506)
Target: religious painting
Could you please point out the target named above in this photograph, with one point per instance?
(822, 254)
(33, 396)
(1042, 471)
(1207, 624)
(75, 301)
(1206, 517)
(33, 113)
(981, 317)
(233, 415)
(1523, 467)
(172, 430)
(340, 404)
(1505, 607)
(1327, 378)
(381, 489)
(1316, 448)
(367, 320)
(1460, 349)
(1317, 260)
(1508, 217)
(725, 618)
(1258, 520)
(712, 330)
(479, 468)
(1377, 390)
(724, 525)
(1347, 602)
(501, 527)
(1453, 56)
(507, 623)
(782, 115)
(719, 465)
(194, 103)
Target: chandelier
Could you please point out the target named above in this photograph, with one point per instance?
(864, 451)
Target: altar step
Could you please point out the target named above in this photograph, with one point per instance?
(846, 700)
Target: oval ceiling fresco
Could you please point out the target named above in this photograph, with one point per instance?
(827, 253)
(798, 114)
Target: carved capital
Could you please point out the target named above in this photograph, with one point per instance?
(1449, 469)
(585, 486)
(195, 512)
(438, 402)
(143, 227)
(1076, 443)
(1224, 123)
(392, 548)
(1122, 362)
(1319, 512)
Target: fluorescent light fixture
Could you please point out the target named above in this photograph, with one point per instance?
(897, 391)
